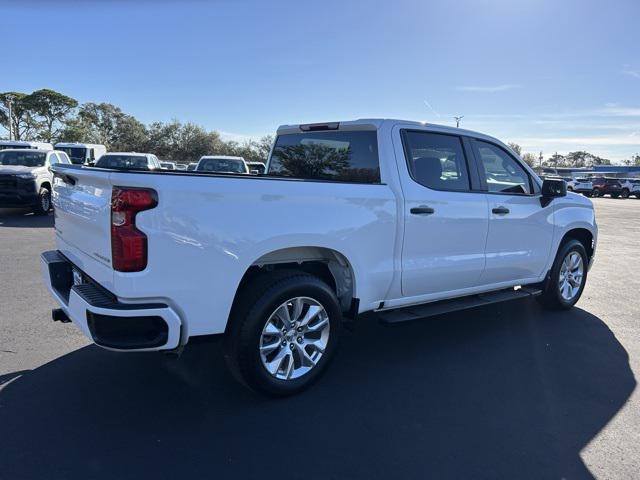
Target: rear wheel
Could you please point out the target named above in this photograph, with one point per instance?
(596, 192)
(43, 204)
(625, 193)
(284, 330)
(569, 189)
(566, 281)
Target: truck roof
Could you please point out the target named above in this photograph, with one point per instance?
(131, 154)
(371, 123)
(221, 157)
(74, 144)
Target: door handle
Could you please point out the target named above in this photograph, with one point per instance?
(500, 210)
(422, 210)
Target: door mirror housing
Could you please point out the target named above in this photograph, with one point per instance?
(552, 188)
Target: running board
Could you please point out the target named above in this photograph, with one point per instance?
(417, 312)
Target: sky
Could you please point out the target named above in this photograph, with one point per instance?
(550, 75)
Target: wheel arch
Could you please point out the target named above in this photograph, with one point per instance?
(330, 265)
(584, 236)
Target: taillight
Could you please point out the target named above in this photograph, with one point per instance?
(128, 244)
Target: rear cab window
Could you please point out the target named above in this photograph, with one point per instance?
(341, 156)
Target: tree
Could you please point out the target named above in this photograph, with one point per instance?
(52, 109)
(130, 135)
(101, 121)
(516, 148)
(530, 159)
(22, 119)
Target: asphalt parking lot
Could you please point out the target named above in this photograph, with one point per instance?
(507, 391)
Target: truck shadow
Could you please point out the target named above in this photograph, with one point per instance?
(24, 218)
(506, 391)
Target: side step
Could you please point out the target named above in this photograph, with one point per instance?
(417, 312)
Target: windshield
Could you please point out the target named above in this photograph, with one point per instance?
(13, 147)
(222, 165)
(125, 162)
(26, 158)
(76, 154)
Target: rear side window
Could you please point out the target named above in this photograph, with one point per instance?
(436, 160)
(347, 156)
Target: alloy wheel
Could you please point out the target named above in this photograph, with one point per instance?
(571, 276)
(294, 338)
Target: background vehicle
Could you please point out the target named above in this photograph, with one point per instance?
(181, 166)
(222, 164)
(580, 185)
(402, 218)
(18, 144)
(192, 166)
(25, 179)
(606, 186)
(129, 161)
(82, 153)
(257, 167)
(630, 187)
(167, 165)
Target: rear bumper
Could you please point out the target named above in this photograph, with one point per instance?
(103, 318)
(583, 190)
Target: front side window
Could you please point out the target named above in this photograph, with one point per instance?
(502, 172)
(53, 159)
(343, 156)
(436, 160)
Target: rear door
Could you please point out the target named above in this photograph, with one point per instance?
(82, 207)
(445, 215)
(520, 228)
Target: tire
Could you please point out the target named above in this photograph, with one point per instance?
(254, 328)
(552, 293)
(44, 202)
(625, 193)
(569, 189)
(595, 193)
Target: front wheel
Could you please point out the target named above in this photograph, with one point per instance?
(625, 193)
(566, 281)
(284, 330)
(43, 204)
(595, 193)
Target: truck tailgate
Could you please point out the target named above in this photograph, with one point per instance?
(82, 203)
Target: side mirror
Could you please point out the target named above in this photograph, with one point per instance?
(552, 188)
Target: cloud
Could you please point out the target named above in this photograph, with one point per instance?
(603, 140)
(626, 70)
(488, 89)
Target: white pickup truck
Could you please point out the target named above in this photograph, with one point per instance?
(402, 218)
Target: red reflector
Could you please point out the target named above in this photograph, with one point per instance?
(128, 244)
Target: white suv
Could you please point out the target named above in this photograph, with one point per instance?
(630, 187)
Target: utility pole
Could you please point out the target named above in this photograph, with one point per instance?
(458, 120)
(9, 101)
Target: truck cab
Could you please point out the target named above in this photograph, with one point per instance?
(82, 153)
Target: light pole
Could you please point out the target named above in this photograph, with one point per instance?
(458, 120)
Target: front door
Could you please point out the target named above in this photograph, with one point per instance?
(520, 228)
